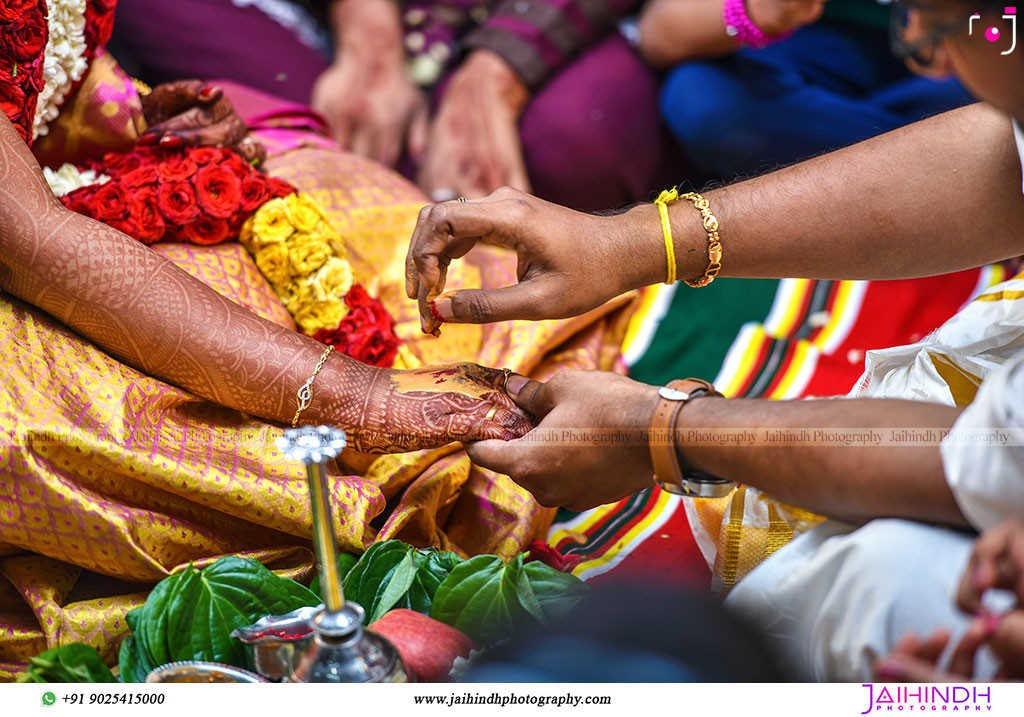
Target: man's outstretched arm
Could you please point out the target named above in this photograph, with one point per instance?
(937, 196)
(591, 447)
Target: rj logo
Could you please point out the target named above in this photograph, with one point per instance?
(993, 34)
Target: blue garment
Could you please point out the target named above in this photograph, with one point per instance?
(829, 86)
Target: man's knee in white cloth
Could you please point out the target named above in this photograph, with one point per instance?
(838, 597)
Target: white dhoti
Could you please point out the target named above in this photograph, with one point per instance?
(840, 596)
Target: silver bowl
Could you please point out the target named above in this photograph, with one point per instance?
(198, 672)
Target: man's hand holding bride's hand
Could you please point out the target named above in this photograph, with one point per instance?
(433, 406)
(568, 262)
(193, 113)
(589, 446)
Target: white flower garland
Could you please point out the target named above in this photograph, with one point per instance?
(64, 60)
(69, 178)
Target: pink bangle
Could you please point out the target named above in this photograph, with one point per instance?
(741, 28)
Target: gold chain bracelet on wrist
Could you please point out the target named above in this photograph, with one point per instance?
(305, 393)
(714, 241)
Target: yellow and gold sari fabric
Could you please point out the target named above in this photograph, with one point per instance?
(110, 479)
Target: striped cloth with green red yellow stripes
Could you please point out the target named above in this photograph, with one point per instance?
(756, 338)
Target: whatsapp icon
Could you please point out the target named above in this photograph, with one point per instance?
(49, 698)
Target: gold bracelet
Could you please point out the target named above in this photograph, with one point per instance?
(305, 393)
(662, 202)
(714, 242)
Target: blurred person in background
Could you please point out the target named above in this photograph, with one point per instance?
(468, 95)
(757, 83)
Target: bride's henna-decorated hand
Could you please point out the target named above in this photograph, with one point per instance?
(140, 308)
(429, 407)
(194, 113)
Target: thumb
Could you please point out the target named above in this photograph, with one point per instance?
(524, 300)
(499, 456)
(532, 396)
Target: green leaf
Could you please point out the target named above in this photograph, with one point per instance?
(486, 598)
(149, 615)
(434, 566)
(70, 663)
(190, 616)
(346, 561)
(393, 574)
(557, 593)
(364, 579)
(478, 598)
(133, 665)
(395, 587)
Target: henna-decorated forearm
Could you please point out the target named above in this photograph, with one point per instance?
(147, 312)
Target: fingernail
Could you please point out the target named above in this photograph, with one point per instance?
(515, 384)
(890, 670)
(209, 91)
(171, 141)
(442, 309)
(148, 139)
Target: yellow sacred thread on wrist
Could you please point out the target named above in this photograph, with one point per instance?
(305, 393)
(662, 202)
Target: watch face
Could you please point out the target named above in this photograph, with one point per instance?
(671, 394)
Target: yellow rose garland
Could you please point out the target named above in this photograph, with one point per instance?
(303, 258)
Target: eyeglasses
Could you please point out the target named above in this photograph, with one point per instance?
(921, 50)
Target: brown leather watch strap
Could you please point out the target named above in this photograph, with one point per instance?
(661, 437)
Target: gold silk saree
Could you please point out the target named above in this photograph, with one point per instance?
(111, 480)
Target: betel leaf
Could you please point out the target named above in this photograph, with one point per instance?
(556, 593)
(394, 587)
(132, 662)
(393, 574)
(364, 579)
(190, 615)
(486, 598)
(346, 561)
(71, 663)
(479, 597)
(434, 566)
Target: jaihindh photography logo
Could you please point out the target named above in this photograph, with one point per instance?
(932, 698)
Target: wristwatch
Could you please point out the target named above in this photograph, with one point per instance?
(668, 473)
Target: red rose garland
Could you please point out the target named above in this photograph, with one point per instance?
(23, 34)
(203, 196)
(367, 333)
(200, 195)
(99, 22)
